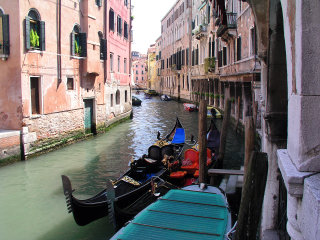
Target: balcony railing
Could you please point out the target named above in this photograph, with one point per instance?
(231, 24)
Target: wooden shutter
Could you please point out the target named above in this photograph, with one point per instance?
(111, 20)
(103, 49)
(83, 44)
(72, 39)
(238, 48)
(27, 32)
(42, 36)
(5, 33)
(210, 48)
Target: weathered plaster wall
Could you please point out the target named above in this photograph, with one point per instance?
(10, 80)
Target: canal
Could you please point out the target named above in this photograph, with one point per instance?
(32, 204)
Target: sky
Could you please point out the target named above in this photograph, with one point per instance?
(146, 25)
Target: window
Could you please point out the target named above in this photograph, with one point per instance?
(136, 78)
(238, 48)
(125, 65)
(125, 33)
(99, 3)
(136, 71)
(4, 34)
(34, 31)
(118, 97)
(126, 3)
(136, 66)
(126, 96)
(118, 63)
(142, 78)
(70, 84)
(78, 42)
(142, 72)
(224, 56)
(111, 20)
(35, 95)
(119, 25)
(103, 47)
(253, 43)
(111, 100)
(111, 62)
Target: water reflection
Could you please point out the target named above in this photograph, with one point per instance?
(32, 202)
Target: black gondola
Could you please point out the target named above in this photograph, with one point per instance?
(127, 189)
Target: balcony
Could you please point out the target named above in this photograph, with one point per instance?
(228, 30)
(209, 65)
(200, 31)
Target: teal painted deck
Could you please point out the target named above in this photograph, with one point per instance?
(180, 214)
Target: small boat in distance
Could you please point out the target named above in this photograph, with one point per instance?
(190, 107)
(188, 213)
(165, 97)
(213, 112)
(136, 101)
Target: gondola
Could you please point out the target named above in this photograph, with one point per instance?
(136, 101)
(131, 185)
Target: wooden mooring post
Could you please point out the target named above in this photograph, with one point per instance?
(252, 197)
(202, 139)
(249, 140)
(224, 130)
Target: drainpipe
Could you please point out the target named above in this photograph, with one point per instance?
(105, 37)
(59, 43)
(129, 33)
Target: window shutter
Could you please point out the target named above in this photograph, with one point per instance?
(27, 32)
(208, 13)
(99, 3)
(72, 39)
(239, 48)
(83, 44)
(42, 36)
(210, 48)
(103, 49)
(5, 32)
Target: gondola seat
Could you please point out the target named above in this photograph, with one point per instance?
(178, 174)
(191, 160)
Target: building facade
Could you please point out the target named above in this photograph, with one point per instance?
(68, 65)
(139, 73)
(151, 67)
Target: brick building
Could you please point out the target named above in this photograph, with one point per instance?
(65, 68)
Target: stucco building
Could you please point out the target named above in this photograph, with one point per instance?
(139, 73)
(175, 50)
(151, 67)
(65, 68)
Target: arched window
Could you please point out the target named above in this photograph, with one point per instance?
(78, 42)
(118, 97)
(1, 12)
(34, 31)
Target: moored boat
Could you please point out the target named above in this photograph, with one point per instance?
(188, 213)
(190, 107)
(130, 186)
(213, 112)
(165, 97)
(136, 101)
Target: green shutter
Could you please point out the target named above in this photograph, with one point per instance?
(103, 49)
(42, 36)
(5, 32)
(72, 39)
(27, 32)
(83, 44)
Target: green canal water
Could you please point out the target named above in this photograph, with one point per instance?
(32, 204)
